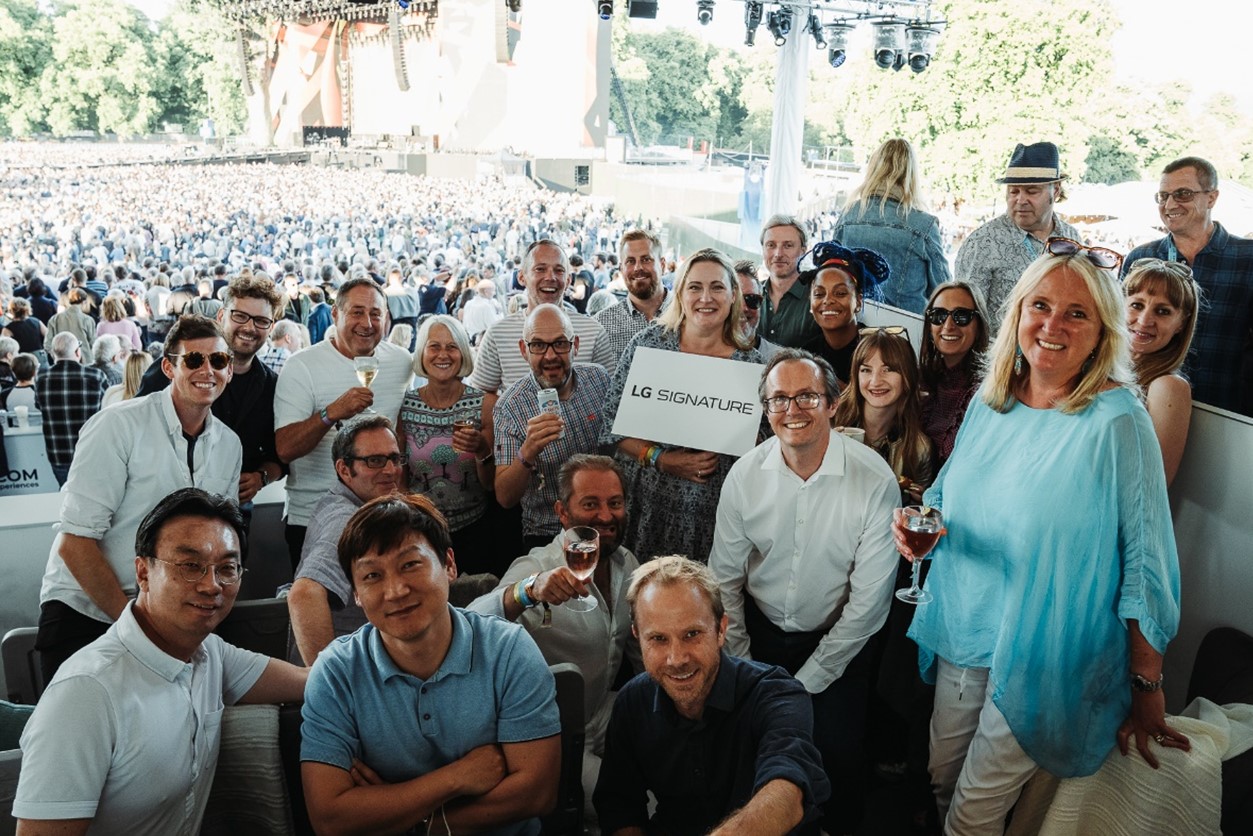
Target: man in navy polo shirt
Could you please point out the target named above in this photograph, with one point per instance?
(427, 711)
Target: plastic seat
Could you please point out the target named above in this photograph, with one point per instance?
(22, 678)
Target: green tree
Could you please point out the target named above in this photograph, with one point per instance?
(102, 76)
(25, 38)
(1110, 162)
(196, 50)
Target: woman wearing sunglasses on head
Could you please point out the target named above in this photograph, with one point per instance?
(838, 282)
(1162, 302)
(1056, 589)
(954, 339)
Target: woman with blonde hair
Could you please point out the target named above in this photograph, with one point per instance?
(888, 214)
(113, 321)
(1056, 589)
(1162, 303)
(132, 379)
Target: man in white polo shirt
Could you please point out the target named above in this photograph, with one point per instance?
(318, 388)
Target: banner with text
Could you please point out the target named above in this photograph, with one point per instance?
(689, 400)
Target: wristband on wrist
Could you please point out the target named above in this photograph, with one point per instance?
(326, 417)
(655, 457)
(646, 454)
(489, 457)
(522, 592)
(1146, 686)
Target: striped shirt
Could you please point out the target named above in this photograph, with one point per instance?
(499, 363)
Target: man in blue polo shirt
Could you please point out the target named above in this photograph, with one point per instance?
(427, 711)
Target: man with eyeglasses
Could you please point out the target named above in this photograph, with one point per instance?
(784, 311)
(804, 558)
(1221, 363)
(532, 443)
(642, 266)
(125, 738)
(993, 257)
(368, 464)
(250, 306)
(319, 388)
(746, 275)
(129, 457)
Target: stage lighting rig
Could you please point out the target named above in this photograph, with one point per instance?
(921, 38)
(752, 19)
(779, 22)
(704, 11)
(814, 27)
(889, 44)
(604, 8)
(837, 41)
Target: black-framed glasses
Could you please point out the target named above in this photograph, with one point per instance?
(961, 316)
(1102, 257)
(1180, 195)
(193, 360)
(752, 301)
(539, 347)
(377, 462)
(241, 318)
(227, 574)
(805, 400)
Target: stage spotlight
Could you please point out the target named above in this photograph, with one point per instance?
(889, 43)
(921, 40)
(704, 11)
(779, 22)
(814, 27)
(604, 8)
(837, 40)
(752, 19)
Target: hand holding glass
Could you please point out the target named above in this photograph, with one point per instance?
(367, 367)
(921, 529)
(581, 545)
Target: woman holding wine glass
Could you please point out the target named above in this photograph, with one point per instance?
(1056, 588)
(675, 494)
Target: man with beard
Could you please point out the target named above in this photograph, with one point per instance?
(546, 273)
(318, 388)
(784, 312)
(746, 275)
(531, 443)
(250, 306)
(533, 590)
(642, 266)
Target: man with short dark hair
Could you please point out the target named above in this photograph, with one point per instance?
(531, 443)
(128, 458)
(642, 266)
(428, 714)
(125, 738)
(319, 388)
(1221, 363)
(804, 557)
(368, 464)
(67, 395)
(723, 744)
(993, 257)
(785, 318)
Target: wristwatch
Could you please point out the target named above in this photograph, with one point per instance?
(1145, 686)
(265, 477)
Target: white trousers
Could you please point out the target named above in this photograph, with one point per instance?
(977, 767)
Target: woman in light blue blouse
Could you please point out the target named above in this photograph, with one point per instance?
(1056, 589)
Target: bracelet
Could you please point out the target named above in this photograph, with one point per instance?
(489, 457)
(326, 417)
(1146, 686)
(265, 477)
(655, 457)
(521, 592)
(646, 454)
(525, 463)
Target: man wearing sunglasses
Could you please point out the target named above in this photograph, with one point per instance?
(994, 255)
(746, 275)
(251, 304)
(368, 464)
(532, 444)
(1221, 363)
(642, 266)
(129, 457)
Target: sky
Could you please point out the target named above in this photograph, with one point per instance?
(1207, 47)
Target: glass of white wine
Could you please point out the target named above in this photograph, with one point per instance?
(367, 367)
(581, 544)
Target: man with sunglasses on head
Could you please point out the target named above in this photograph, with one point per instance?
(1221, 363)
(532, 443)
(993, 257)
(250, 306)
(125, 739)
(642, 266)
(368, 464)
(746, 275)
(804, 558)
(129, 457)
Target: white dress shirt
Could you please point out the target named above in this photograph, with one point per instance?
(813, 555)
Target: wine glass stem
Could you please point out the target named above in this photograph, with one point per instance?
(914, 570)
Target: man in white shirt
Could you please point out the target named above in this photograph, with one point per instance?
(129, 456)
(804, 558)
(482, 310)
(125, 739)
(318, 388)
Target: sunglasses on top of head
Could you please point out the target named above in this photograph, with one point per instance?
(1102, 257)
(193, 360)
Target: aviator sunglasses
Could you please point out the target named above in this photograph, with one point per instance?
(193, 360)
(1102, 257)
(961, 316)
(752, 301)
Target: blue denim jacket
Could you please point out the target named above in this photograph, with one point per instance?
(909, 242)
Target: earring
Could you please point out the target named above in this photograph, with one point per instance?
(1087, 364)
(1017, 361)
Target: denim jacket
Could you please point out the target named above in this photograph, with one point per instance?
(909, 242)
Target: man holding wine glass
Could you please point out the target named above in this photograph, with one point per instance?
(804, 558)
(321, 386)
(537, 591)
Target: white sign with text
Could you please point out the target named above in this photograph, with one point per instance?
(689, 400)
